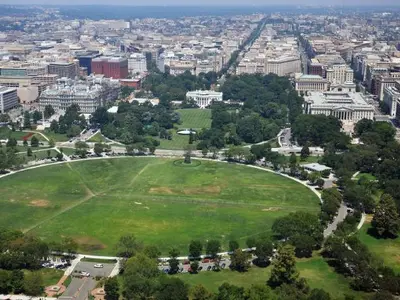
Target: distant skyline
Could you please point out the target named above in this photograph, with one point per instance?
(206, 2)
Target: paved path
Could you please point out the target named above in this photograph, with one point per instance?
(342, 213)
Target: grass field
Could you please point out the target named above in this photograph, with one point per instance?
(97, 138)
(317, 272)
(368, 176)
(57, 137)
(195, 118)
(38, 154)
(387, 249)
(5, 133)
(49, 276)
(159, 201)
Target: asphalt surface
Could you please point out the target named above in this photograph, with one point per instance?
(80, 288)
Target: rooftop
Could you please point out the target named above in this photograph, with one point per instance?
(334, 99)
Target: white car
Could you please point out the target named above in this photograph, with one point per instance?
(98, 266)
(85, 274)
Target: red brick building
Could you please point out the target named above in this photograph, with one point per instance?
(134, 83)
(115, 67)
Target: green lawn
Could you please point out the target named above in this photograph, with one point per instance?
(50, 276)
(56, 137)
(387, 249)
(178, 142)
(317, 272)
(68, 151)
(195, 118)
(97, 138)
(5, 133)
(368, 176)
(38, 154)
(162, 203)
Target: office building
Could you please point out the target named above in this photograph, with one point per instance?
(8, 98)
(339, 74)
(110, 67)
(203, 98)
(391, 99)
(348, 107)
(316, 83)
(85, 60)
(64, 69)
(137, 63)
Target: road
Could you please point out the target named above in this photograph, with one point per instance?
(342, 213)
(284, 137)
(80, 288)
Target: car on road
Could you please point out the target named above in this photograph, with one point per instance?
(98, 266)
(85, 274)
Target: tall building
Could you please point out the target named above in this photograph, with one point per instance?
(8, 98)
(391, 99)
(85, 60)
(110, 67)
(63, 69)
(339, 74)
(308, 83)
(137, 63)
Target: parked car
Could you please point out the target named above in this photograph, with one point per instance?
(98, 266)
(85, 274)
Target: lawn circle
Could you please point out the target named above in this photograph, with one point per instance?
(181, 163)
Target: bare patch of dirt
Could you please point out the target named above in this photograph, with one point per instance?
(89, 243)
(161, 190)
(210, 189)
(271, 209)
(368, 218)
(39, 203)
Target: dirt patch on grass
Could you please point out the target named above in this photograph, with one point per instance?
(39, 203)
(271, 209)
(88, 243)
(210, 189)
(161, 190)
(270, 186)
(368, 218)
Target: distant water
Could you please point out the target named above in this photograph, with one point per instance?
(172, 12)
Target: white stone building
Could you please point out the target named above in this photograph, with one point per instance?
(348, 107)
(137, 63)
(204, 98)
(304, 82)
(339, 74)
(391, 99)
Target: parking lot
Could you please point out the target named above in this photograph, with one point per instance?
(80, 287)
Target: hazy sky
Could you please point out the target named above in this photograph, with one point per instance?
(208, 2)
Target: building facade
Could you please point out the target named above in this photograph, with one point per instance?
(348, 107)
(111, 67)
(339, 74)
(391, 99)
(89, 95)
(8, 98)
(204, 98)
(316, 83)
(137, 63)
(64, 69)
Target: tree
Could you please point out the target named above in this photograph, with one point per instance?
(284, 267)
(240, 260)
(319, 294)
(54, 126)
(199, 292)
(59, 156)
(29, 152)
(320, 183)
(33, 284)
(173, 261)
(204, 151)
(264, 251)
(128, 246)
(51, 143)
(130, 150)
(140, 277)
(25, 143)
(34, 142)
(48, 111)
(74, 130)
(152, 251)
(36, 116)
(304, 245)
(194, 266)
(17, 281)
(27, 120)
(5, 282)
(195, 248)
(111, 287)
(188, 154)
(233, 245)
(305, 152)
(259, 292)
(48, 153)
(11, 143)
(213, 247)
(386, 218)
(172, 288)
(191, 137)
(98, 149)
(81, 148)
(230, 292)
(313, 177)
